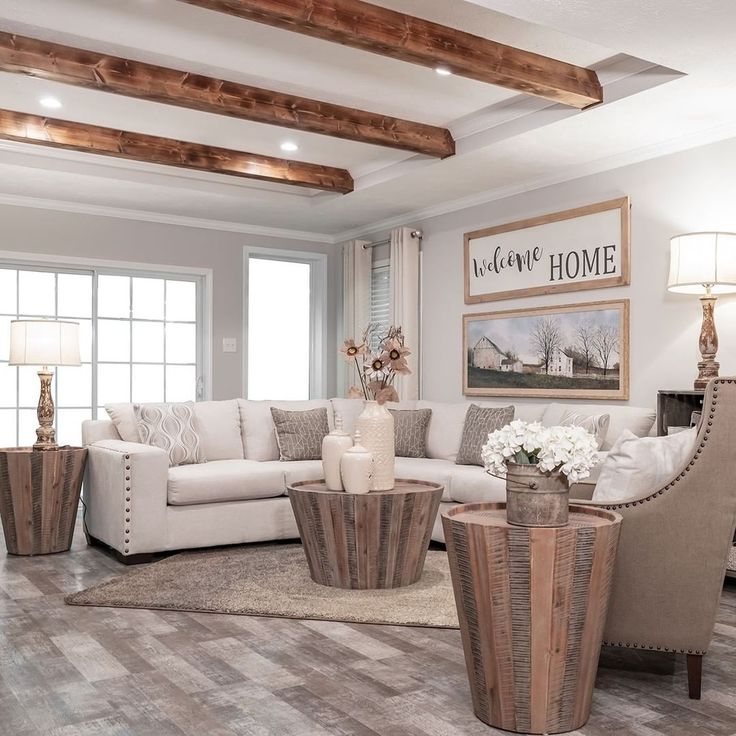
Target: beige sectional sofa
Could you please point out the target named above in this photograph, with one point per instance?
(137, 505)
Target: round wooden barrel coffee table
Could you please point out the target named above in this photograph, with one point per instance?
(377, 540)
(532, 605)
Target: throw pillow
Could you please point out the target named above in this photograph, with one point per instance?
(479, 423)
(410, 431)
(170, 427)
(124, 419)
(596, 424)
(638, 466)
(299, 434)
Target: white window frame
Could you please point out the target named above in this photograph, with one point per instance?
(317, 309)
(100, 267)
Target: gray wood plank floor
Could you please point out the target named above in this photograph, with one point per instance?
(69, 671)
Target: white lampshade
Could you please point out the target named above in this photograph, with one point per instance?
(698, 260)
(44, 342)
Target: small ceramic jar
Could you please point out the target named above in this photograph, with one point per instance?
(334, 446)
(357, 468)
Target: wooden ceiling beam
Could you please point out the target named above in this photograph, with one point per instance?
(44, 131)
(45, 60)
(397, 35)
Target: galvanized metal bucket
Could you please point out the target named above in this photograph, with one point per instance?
(534, 498)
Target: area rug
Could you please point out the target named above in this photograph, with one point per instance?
(273, 580)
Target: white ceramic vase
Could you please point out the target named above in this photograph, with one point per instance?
(376, 427)
(334, 446)
(357, 468)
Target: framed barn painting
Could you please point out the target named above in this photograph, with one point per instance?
(577, 351)
(585, 248)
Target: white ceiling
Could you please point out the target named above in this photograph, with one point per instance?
(506, 142)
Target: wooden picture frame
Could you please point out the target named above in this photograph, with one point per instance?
(502, 355)
(600, 239)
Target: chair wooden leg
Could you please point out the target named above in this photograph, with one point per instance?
(694, 675)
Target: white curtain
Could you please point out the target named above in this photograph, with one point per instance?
(356, 279)
(404, 269)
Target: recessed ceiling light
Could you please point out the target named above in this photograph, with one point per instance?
(51, 102)
(443, 71)
(289, 146)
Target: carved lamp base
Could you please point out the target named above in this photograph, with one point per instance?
(46, 435)
(708, 367)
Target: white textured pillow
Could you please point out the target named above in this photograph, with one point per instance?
(170, 427)
(638, 466)
(596, 424)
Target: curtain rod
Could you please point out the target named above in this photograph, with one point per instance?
(414, 233)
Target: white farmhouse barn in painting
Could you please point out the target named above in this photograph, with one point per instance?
(486, 354)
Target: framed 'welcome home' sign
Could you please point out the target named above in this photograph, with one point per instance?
(584, 248)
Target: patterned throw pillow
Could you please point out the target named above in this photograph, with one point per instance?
(170, 427)
(410, 431)
(300, 433)
(479, 423)
(597, 424)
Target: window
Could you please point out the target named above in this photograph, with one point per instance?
(380, 298)
(140, 339)
(285, 324)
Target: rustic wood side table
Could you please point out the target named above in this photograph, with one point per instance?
(532, 605)
(371, 541)
(39, 495)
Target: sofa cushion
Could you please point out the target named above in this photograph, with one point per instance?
(422, 468)
(479, 423)
(171, 428)
(257, 428)
(596, 424)
(299, 434)
(637, 420)
(410, 431)
(298, 470)
(224, 480)
(525, 411)
(218, 426)
(123, 417)
(471, 484)
(638, 466)
(445, 428)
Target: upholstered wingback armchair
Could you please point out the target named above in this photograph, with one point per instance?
(674, 546)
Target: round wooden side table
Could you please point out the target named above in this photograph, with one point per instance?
(532, 605)
(39, 495)
(371, 541)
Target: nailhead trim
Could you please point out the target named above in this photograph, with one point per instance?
(652, 647)
(698, 452)
(127, 476)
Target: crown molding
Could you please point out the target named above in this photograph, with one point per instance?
(609, 163)
(163, 219)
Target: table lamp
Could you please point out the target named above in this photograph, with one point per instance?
(705, 264)
(44, 343)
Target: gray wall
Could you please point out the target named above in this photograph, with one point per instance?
(690, 191)
(66, 234)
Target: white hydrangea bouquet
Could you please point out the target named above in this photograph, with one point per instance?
(570, 450)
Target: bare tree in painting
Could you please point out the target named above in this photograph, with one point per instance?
(606, 345)
(545, 339)
(585, 344)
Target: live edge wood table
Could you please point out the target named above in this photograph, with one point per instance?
(39, 495)
(532, 605)
(371, 541)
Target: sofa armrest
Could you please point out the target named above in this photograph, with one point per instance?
(125, 493)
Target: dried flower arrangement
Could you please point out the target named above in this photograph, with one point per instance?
(377, 369)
